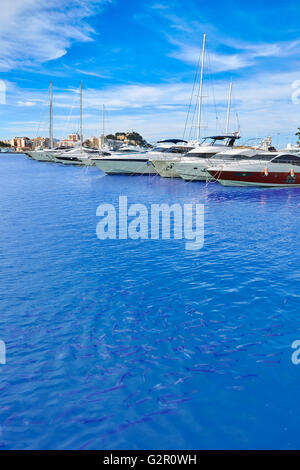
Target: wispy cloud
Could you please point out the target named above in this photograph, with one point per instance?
(245, 55)
(37, 31)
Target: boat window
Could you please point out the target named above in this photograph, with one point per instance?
(201, 155)
(288, 158)
(224, 156)
(179, 149)
(160, 149)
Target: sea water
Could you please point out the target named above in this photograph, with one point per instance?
(142, 344)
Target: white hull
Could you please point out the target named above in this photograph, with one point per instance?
(165, 168)
(78, 162)
(81, 157)
(191, 171)
(41, 156)
(128, 166)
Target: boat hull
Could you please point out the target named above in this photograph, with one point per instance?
(191, 172)
(250, 178)
(73, 161)
(123, 166)
(40, 156)
(165, 168)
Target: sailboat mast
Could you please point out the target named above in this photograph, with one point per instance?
(81, 136)
(102, 140)
(228, 109)
(201, 89)
(51, 117)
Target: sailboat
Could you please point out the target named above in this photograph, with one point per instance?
(129, 159)
(164, 164)
(78, 155)
(46, 155)
(191, 165)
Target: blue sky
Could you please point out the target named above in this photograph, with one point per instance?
(139, 59)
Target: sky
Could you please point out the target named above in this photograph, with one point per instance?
(139, 59)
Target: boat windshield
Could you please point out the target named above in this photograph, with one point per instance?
(226, 140)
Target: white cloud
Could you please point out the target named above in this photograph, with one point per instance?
(245, 56)
(37, 31)
(263, 102)
(27, 104)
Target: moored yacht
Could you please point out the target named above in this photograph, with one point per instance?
(192, 166)
(264, 169)
(163, 157)
(129, 164)
(45, 155)
(76, 156)
(133, 162)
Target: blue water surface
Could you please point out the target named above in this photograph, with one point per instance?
(141, 344)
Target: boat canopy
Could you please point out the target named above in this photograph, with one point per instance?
(172, 141)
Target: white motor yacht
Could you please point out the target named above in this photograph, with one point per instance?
(43, 155)
(195, 169)
(191, 166)
(163, 157)
(133, 162)
(77, 156)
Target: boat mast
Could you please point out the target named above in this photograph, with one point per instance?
(51, 117)
(201, 88)
(81, 136)
(102, 140)
(228, 109)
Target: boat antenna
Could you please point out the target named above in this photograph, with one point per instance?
(201, 89)
(51, 116)
(228, 108)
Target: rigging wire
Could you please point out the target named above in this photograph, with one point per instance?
(42, 115)
(192, 95)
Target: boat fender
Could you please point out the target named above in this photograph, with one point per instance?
(292, 172)
(266, 171)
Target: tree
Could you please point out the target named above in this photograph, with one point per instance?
(3, 144)
(298, 135)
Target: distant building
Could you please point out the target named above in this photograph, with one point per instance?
(70, 141)
(75, 137)
(92, 142)
(40, 143)
(21, 143)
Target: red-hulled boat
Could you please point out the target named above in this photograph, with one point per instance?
(281, 169)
